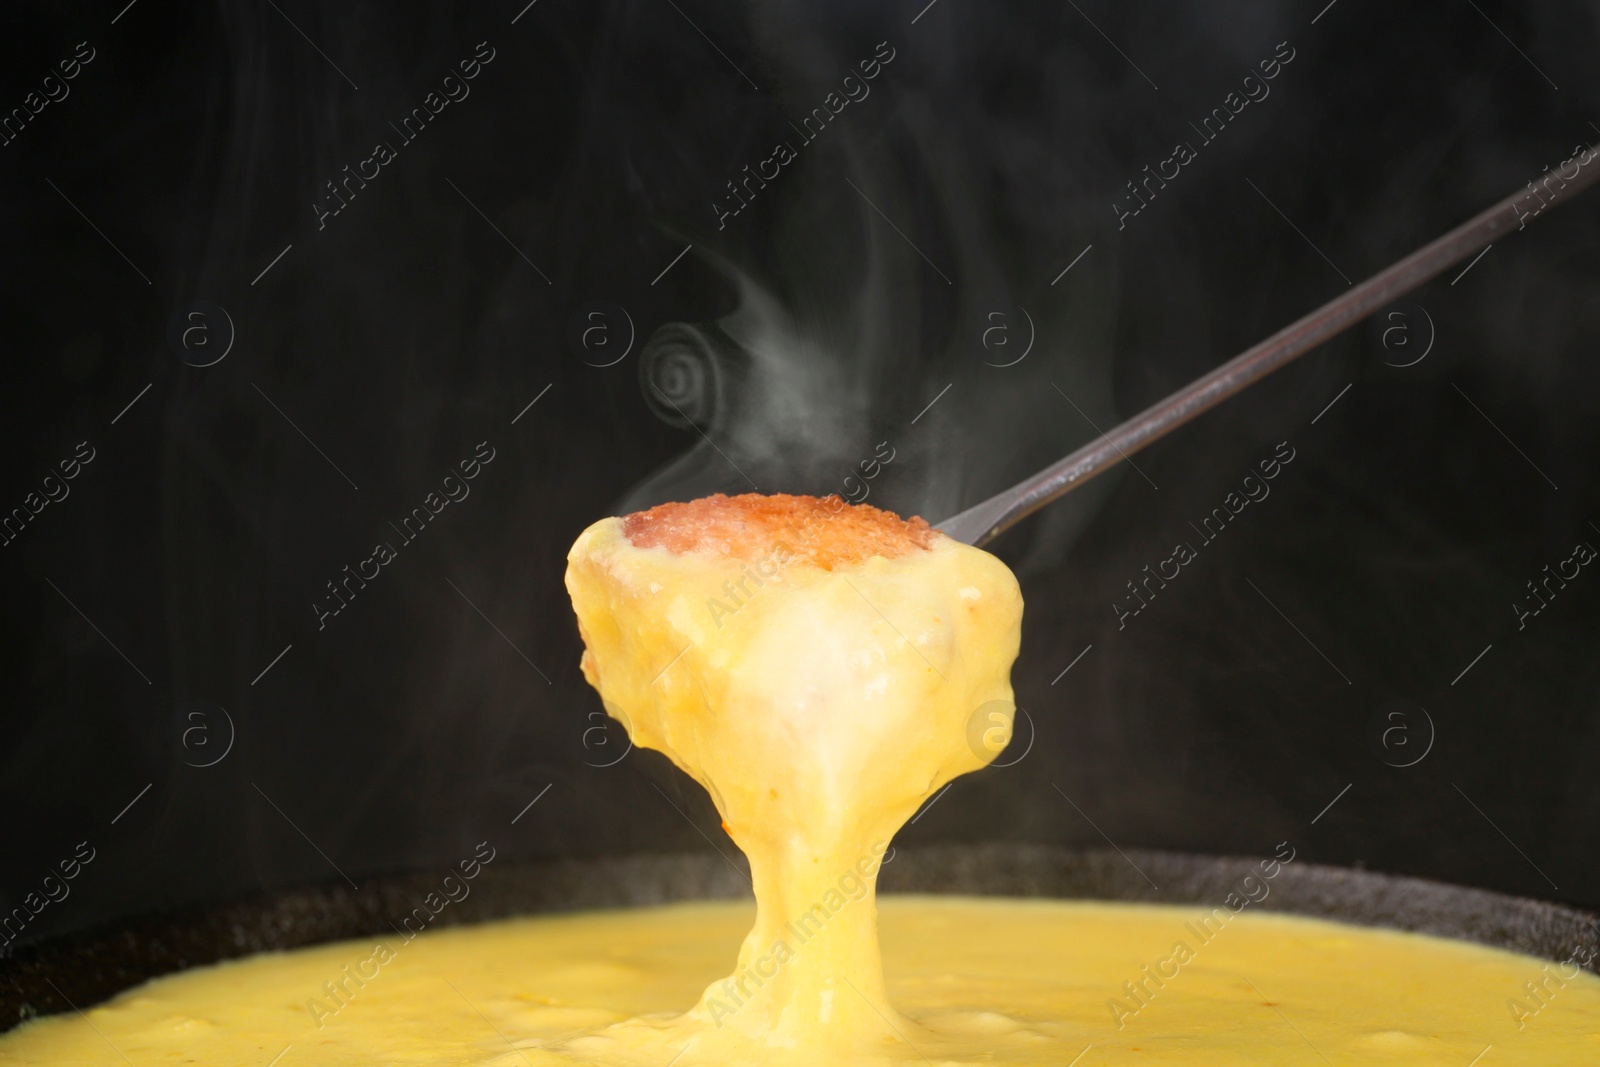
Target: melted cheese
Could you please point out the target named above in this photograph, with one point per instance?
(819, 706)
(1026, 983)
(820, 697)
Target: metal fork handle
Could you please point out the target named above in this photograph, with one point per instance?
(984, 522)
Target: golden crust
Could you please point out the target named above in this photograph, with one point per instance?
(823, 531)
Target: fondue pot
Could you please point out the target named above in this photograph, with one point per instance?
(52, 976)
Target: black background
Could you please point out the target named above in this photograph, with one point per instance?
(455, 289)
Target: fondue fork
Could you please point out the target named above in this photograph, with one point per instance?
(982, 523)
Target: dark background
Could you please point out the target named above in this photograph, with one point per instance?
(456, 288)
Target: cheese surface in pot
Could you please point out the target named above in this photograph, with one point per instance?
(1027, 983)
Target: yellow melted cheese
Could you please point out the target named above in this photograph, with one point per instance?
(819, 715)
(820, 709)
(976, 982)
